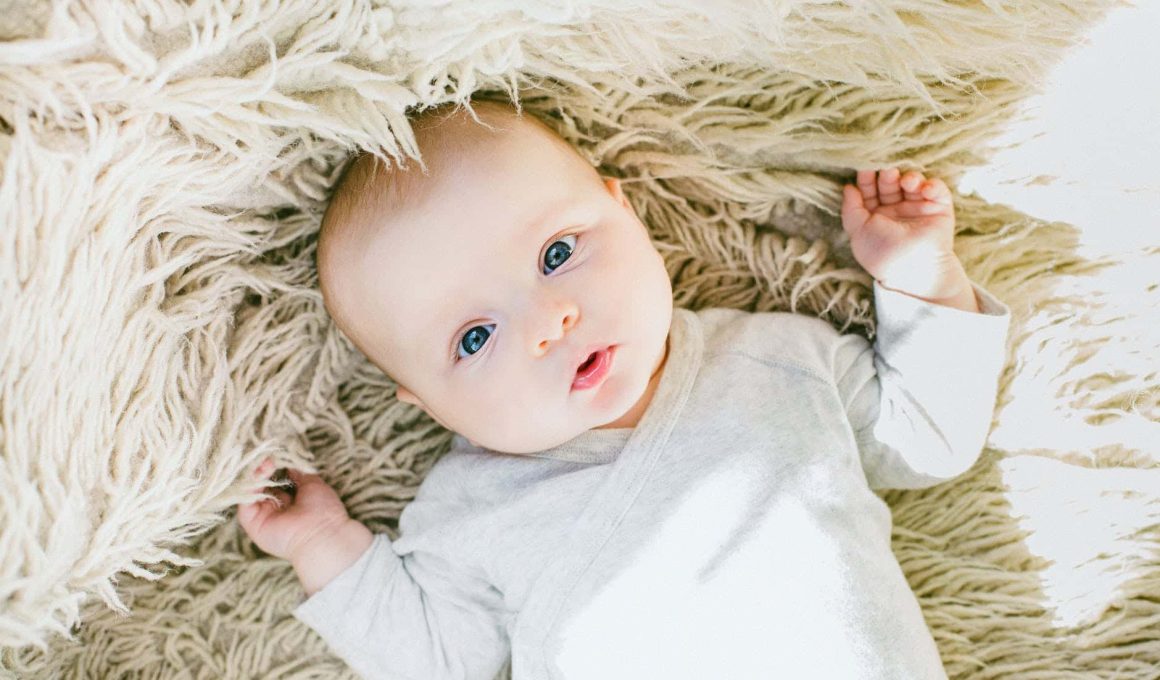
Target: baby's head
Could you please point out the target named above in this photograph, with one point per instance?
(481, 287)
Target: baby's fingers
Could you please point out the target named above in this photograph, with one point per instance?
(868, 185)
(936, 190)
(911, 184)
(854, 212)
(253, 515)
(264, 469)
(919, 208)
(305, 479)
(249, 513)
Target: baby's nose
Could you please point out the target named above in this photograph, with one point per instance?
(560, 321)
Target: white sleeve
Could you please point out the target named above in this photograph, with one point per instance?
(921, 400)
(378, 618)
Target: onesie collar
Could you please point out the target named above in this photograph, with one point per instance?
(686, 345)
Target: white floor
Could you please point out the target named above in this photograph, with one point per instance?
(1091, 150)
(1091, 158)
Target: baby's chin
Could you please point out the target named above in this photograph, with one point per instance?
(530, 444)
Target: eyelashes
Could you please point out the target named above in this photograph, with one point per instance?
(477, 336)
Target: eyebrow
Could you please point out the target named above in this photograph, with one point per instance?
(534, 226)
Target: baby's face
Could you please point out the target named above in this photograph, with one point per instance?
(520, 264)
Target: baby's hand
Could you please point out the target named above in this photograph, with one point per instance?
(902, 232)
(284, 525)
(310, 528)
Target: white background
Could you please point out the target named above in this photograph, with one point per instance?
(1096, 131)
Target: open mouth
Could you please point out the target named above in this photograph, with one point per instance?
(590, 373)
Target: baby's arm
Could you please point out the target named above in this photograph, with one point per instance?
(423, 614)
(921, 399)
(311, 530)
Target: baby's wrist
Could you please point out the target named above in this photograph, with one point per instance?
(329, 553)
(953, 289)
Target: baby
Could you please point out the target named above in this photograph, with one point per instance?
(633, 490)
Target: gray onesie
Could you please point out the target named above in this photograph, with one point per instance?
(733, 533)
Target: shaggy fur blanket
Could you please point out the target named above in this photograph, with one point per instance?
(165, 164)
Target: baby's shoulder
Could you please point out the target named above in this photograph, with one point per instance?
(771, 337)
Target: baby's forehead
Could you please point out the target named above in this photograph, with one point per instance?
(466, 221)
(453, 158)
(437, 254)
(465, 174)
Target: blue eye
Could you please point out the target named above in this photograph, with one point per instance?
(474, 339)
(554, 257)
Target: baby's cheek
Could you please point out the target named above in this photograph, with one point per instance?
(497, 409)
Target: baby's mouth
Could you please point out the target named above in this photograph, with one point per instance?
(587, 363)
(592, 371)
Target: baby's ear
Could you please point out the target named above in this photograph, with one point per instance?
(405, 395)
(613, 186)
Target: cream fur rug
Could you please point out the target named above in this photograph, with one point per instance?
(164, 168)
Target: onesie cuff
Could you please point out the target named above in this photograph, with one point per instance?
(989, 305)
(917, 337)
